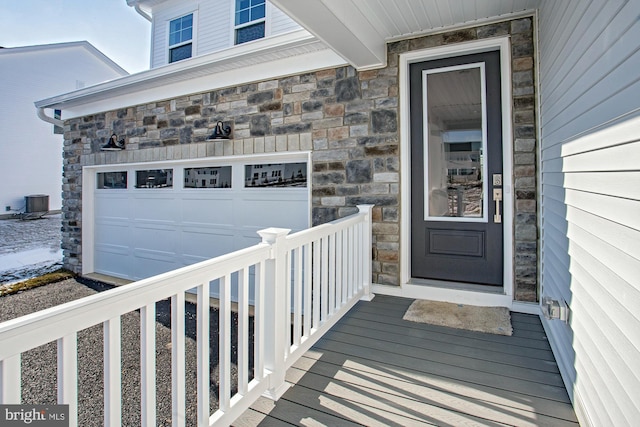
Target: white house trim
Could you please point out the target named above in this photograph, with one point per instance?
(290, 53)
(433, 290)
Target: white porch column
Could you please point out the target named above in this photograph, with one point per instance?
(275, 312)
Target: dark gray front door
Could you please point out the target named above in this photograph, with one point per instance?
(456, 169)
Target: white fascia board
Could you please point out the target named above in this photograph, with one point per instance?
(342, 26)
(248, 74)
(289, 53)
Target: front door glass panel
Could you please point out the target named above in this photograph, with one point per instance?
(455, 143)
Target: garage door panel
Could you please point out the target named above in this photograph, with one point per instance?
(114, 261)
(156, 255)
(207, 244)
(111, 233)
(155, 239)
(274, 212)
(207, 211)
(109, 206)
(156, 208)
(149, 263)
(249, 238)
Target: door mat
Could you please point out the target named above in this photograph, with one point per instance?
(492, 320)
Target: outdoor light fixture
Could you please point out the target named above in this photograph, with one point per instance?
(221, 131)
(113, 144)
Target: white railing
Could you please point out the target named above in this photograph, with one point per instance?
(304, 283)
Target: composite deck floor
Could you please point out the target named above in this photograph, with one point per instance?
(373, 368)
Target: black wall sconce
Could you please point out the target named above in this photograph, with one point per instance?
(221, 131)
(113, 144)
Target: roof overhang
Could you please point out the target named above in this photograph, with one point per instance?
(358, 30)
(264, 59)
(82, 44)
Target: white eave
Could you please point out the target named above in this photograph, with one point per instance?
(83, 44)
(358, 30)
(264, 59)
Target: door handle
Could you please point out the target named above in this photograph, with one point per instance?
(497, 197)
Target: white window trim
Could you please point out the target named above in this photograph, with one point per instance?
(194, 35)
(267, 22)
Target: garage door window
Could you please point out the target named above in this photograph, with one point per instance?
(275, 175)
(154, 178)
(111, 180)
(208, 177)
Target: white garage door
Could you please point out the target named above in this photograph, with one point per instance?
(153, 218)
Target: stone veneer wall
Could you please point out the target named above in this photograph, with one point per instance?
(348, 119)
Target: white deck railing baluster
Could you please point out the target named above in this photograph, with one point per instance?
(202, 340)
(148, 365)
(324, 280)
(351, 254)
(357, 285)
(68, 375)
(316, 284)
(297, 297)
(178, 405)
(258, 319)
(302, 282)
(331, 272)
(287, 302)
(243, 331)
(339, 268)
(345, 267)
(112, 373)
(306, 268)
(224, 347)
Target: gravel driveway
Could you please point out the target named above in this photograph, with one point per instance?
(39, 365)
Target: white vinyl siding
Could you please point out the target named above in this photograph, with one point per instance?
(30, 153)
(214, 32)
(590, 133)
(213, 23)
(280, 22)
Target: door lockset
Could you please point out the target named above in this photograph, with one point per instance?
(497, 197)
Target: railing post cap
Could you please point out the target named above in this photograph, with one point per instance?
(269, 235)
(365, 208)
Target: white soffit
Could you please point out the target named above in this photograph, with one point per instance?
(358, 30)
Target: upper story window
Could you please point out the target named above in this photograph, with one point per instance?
(180, 38)
(250, 20)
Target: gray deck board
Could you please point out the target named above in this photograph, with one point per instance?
(373, 368)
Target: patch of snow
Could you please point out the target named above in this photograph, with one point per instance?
(15, 267)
